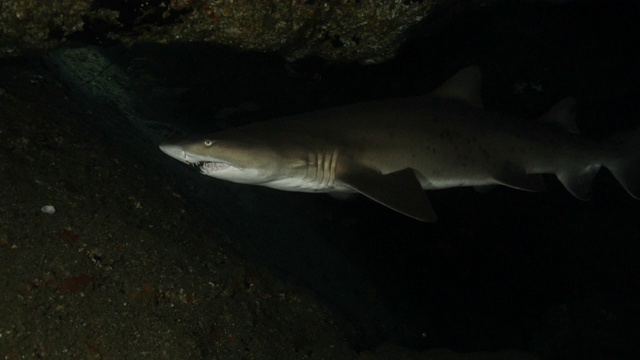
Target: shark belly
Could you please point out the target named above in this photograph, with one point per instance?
(303, 185)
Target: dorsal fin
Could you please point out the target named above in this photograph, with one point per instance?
(563, 114)
(465, 86)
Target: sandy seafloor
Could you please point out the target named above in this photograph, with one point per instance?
(145, 258)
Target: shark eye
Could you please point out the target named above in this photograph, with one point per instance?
(208, 143)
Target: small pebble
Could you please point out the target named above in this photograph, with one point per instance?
(48, 209)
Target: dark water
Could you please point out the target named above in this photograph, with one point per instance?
(543, 273)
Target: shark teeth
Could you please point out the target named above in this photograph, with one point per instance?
(208, 167)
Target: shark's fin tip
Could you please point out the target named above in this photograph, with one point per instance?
(624, 163)
(400, 191)
(563, 114)
(578, 181)
(465, 85)
(521, 181)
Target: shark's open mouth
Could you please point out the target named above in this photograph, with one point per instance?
(208, 167)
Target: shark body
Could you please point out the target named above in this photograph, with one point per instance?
(391, 150)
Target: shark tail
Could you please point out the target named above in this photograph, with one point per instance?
(626, 167)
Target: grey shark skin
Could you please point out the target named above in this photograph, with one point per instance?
(390, 150)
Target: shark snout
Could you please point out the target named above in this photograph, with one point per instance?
(175, 151)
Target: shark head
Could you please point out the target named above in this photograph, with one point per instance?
(246, 160)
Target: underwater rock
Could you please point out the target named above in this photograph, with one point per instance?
(364, 31)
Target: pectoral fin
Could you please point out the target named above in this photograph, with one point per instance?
(400, 191)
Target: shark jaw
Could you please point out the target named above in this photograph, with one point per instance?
(206, 166)
(211, 167)
(390, 150)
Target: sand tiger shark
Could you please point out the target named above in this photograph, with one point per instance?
(392, 150)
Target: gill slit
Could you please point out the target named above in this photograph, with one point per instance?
(324, 171)
(333, 167)
(328, 167)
